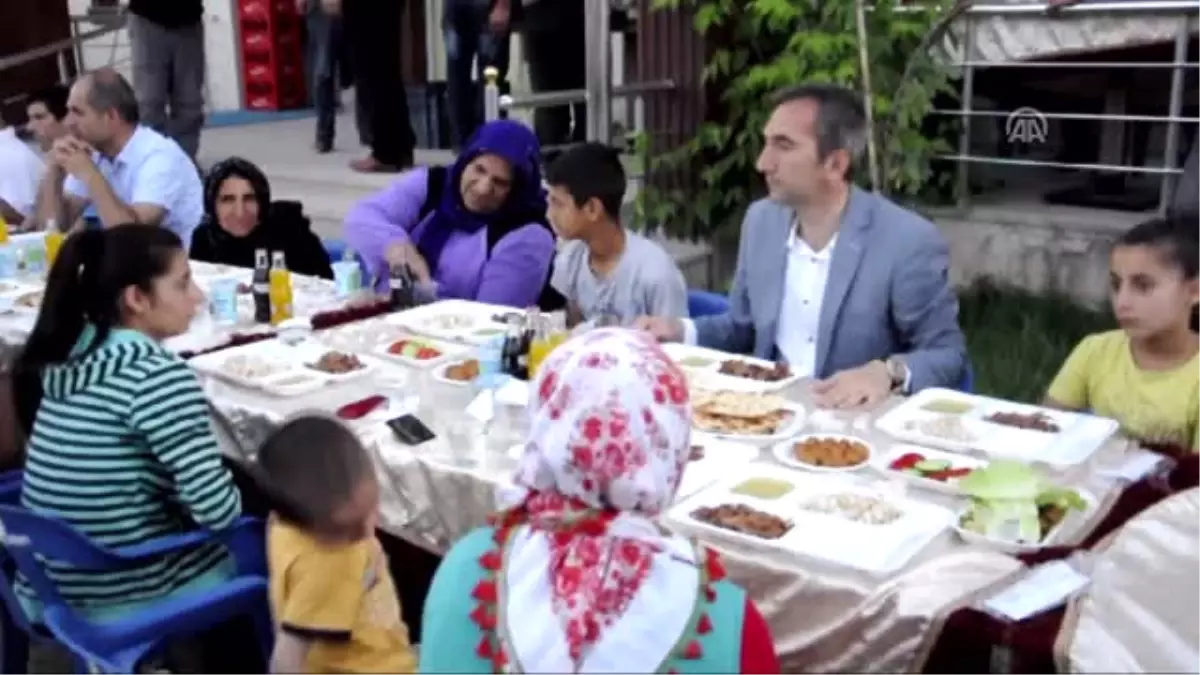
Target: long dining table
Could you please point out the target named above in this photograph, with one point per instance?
(824, 617)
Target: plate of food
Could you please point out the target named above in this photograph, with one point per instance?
(459, 373)
(745, 416)
(735, 373)
(711, 460)
(1015, 509)
(831, 518)
(292, 383)
(416, 352)
(743, 519)
(825, 452)
(254, 367)
(336, 365)
(928, 468)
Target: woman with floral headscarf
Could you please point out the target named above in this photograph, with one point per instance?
(239, 217)
(575, 575)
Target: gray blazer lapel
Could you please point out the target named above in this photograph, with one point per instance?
(847, 254)
(770, 265)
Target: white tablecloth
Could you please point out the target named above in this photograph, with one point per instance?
(312, 295)
(824, 618)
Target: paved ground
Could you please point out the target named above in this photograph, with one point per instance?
(328, 188)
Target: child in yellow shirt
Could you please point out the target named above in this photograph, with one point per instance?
(1145, 375)
(333, 601)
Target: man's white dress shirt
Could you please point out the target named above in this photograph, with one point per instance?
(806, 275)
(21, 170)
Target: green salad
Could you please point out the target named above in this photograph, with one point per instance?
(1013, 502)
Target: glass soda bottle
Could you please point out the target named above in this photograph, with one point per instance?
(280, 289)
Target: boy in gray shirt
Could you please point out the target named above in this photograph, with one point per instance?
(603, 270)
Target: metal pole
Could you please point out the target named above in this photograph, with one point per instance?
(597, 43)
(491, 94)
(968, 92)
(1167, 184)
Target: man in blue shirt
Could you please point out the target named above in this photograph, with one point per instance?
(126, 171)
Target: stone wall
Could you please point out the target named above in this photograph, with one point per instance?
(1039, 247)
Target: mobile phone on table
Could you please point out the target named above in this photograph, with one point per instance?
(410, 430)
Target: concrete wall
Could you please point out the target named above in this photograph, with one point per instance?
(1035, 246)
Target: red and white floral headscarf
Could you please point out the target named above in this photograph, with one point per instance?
(609, 439)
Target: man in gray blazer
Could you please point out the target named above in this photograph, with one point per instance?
(842, 284)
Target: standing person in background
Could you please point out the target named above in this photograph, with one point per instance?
(167, 42)
(324, 50)
(46, 110)
(552, 38)
(371, 28)
(476, 31)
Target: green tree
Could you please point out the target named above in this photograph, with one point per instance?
(759, 46)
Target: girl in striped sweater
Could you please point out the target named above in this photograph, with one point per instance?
(121, 445)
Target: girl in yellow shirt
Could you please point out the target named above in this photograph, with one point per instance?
(1145, 374)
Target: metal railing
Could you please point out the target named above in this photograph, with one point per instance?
(1168, 171)
(110, 21)
(598, 92)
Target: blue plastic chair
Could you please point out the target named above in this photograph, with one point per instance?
(119, 646)
(967, 384)
(706, 303)
(336, 248)
(13, 624)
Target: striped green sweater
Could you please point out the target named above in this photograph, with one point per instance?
(122, 449)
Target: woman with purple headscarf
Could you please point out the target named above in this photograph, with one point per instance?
(476, 230)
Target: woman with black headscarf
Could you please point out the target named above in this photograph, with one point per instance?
(239, 217)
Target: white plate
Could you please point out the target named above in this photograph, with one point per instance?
(292, 383)
(786, 431)
(874, 549)
(883, 464)
(720, 457)
(439, 373)
(1080, 435)
(707, 372)
(287, 362)
(1052, 538)
(424, 320)
(447, 352)
(784, 453)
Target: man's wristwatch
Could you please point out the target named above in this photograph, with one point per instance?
(897, 372)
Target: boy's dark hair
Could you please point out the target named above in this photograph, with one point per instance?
(590, 170)
(1178, 242)
(54, 98)
(311, 467)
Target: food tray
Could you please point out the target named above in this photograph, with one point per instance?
(704, 364)
(878, 550)
(720, 457)
(783, 452)
(957, 460)
(12, 290)
(439, 373)
(447, 351)
(785, 431)
(1079, 435)
(477, 325)
(1054, 538)
(290, 374)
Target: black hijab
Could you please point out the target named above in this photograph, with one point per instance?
(282, 226)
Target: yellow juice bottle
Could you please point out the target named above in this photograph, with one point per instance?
(54, 241)
(3, 230)
(540, 346)
(280, 289)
